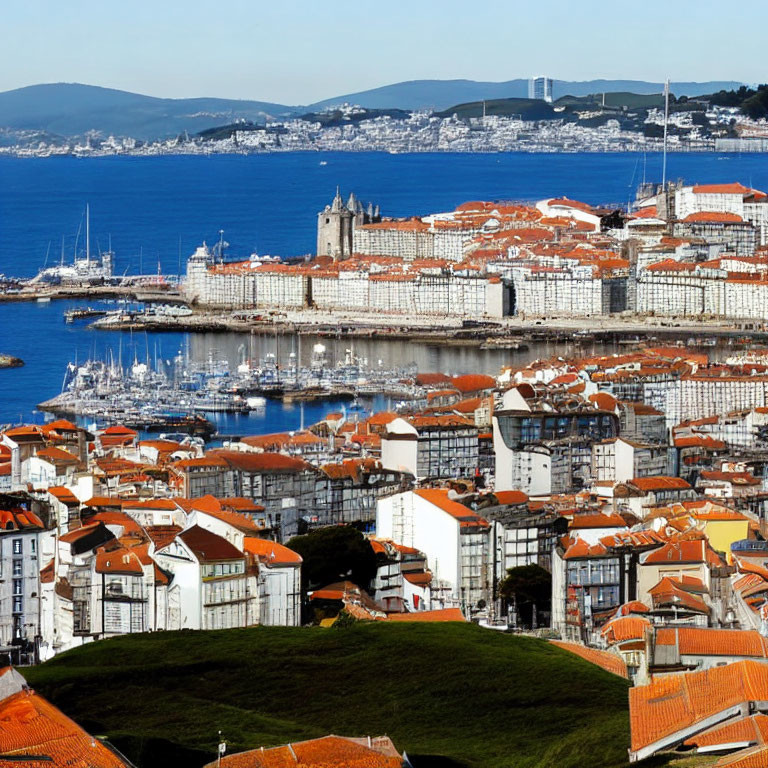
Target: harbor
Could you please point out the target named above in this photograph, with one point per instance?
(157, 395)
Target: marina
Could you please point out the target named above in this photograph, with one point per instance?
(178, 395)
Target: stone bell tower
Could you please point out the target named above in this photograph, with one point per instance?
(335, 230)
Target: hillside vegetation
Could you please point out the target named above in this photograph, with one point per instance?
(475, 696)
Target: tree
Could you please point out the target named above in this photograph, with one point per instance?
(527, 585)
(334, 554)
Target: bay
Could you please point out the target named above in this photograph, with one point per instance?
(156, 210)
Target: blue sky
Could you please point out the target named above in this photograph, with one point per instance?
(299, 51)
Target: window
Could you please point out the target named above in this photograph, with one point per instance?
(33, 546)
(17, 567)
(17, 546)
(17, 604)
(17, 586)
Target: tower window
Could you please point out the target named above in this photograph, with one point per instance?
(327, 221)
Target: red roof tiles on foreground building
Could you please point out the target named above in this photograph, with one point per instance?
(326, 752)
(33, 732)
(674, 708)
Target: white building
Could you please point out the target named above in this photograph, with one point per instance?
(455, 540)
(210, 584)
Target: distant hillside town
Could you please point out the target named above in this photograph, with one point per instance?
(598, 122)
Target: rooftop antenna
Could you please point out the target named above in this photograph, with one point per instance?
(666, 120)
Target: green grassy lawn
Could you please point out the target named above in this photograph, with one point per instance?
(479, 697)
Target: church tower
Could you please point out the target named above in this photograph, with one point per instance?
(336, 226)
(334, 230)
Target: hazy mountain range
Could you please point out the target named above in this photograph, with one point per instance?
(72, 109)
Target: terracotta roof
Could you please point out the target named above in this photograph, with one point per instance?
(118, 429)
(672, 703)
(466, 517)
(735, 478)
(604, 659)
(119, 560)
(210, 505)
(270, 552)
(163, 504)
(564, 201)
(734, 188)
(432, 379)
(695, 641)
(261, 462)
(418, 579)
(473, 382)
(19, 519)
(325, 752)
(752, 728)
(597, 520)
(61, 425)
(57, 456)
(62, 494)
(671, 592)
(604, 401)
(30, 725)
(625, 628)
(716, 217)
(511, 497)
(444, 614)
(660, 483)
(207, 546)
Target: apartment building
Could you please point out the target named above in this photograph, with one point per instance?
(454, 538)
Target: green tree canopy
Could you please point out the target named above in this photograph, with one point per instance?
(334, 554)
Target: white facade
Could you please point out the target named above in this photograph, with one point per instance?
(458, 555)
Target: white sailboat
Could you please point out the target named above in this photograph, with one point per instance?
(87, 269)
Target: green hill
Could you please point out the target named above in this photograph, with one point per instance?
(479, 697)
(528, 109)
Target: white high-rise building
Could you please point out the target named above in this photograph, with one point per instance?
(540, 88)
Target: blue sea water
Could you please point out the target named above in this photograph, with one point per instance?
(158, 209)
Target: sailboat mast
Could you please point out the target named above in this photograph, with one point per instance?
(666, 121)
(87, 234)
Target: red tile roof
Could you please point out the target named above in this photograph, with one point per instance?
(660, 483)
(695, 641)
(326, 752)
(716, 217)
(672, 703)
(260, 462)
(584, 520)
(511, 497)
(444, 614)
(466, 517)
(625, 628)
(207, 546)
(753, 728)
(734, 188)
(30, 725)
(270, 552)
(473, 382)
(604, 659)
